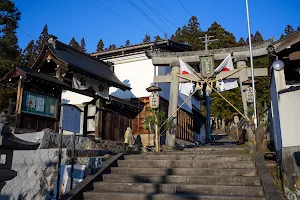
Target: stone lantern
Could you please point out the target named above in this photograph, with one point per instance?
(8, 143)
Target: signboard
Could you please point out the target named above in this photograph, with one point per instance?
(249, 94)
(39, 104)
(71, 118)
(207, 66)
(154, 100)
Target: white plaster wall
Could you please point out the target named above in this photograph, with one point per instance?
(139, 75)
(289, 109)
(75, 98)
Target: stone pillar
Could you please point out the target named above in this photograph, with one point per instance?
(223, 124)
(173, 102)
(243, 76)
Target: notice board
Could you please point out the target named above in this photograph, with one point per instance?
(39, 104)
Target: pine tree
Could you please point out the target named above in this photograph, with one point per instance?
(112, 47)
(173, 37)
(127, 43)
(100, 46)
(242, 42)
(82, 45)
(157, 38)
(247, 41)
(190, 34)
(146, 39)
(288, 30)
(9, 49)
(73, 43)
(282, 36)
(257, 38)
(29, 54)
(165, 36)
(43, 38)
(225, 38)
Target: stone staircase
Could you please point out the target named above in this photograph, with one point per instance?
(207, 173)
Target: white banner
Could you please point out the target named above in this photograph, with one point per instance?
(81, 82)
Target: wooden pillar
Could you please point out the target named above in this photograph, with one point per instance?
(173, 102)
(243, 76)
(19, 103)
(99, 119)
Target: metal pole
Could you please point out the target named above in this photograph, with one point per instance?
(207, 101)
(59, 165)
(157, 143)
(251, 64)
(73, 161)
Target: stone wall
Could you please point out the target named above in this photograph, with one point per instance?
(37, 171)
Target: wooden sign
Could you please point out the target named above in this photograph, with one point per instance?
(154, 100)
(71, 118)
(207, 66)
(249, 95)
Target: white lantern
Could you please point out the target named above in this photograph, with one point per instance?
(154, 100)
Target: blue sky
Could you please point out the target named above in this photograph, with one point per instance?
(89, 19)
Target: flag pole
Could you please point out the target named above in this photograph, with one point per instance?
(251, 64)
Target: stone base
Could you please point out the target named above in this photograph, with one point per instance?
(291, 167)
(147, 139)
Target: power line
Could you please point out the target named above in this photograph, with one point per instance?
(185, 8)
(146, 16)
(122, 17)
(159, 15)
(188, 11)
(25, 33)
(165, 10)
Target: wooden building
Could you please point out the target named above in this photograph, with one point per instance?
(39, 88)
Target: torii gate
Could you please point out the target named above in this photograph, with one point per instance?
(240, 55)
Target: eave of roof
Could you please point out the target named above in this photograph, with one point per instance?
(286, 42)
(80, 62)
(142, 47)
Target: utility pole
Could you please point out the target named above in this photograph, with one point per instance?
(207, 40)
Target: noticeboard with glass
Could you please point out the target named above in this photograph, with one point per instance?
(39, 104)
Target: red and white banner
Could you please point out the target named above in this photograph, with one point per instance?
(185, 88)
(228, 84)
(226, 65)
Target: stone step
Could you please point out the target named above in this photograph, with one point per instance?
(191, 157)
(141, 196)
(198, 152)
(212, 148)
(184, 171)
(254, 191)
(187, 164)
(202, 180)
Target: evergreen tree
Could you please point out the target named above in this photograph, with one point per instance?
(288, 30)
(173, 37)
(157, 38)
(127, 43)
(146, 39)
(29, 54)
(112, 47)
(165, 36)
(242, 42)
(73, 43)
(225, 38)
(9, 49)
(190, 34)
(43, 38)
(282, 36)
(82, 45)
(100, 46)
(257, 38)
(247, 41)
